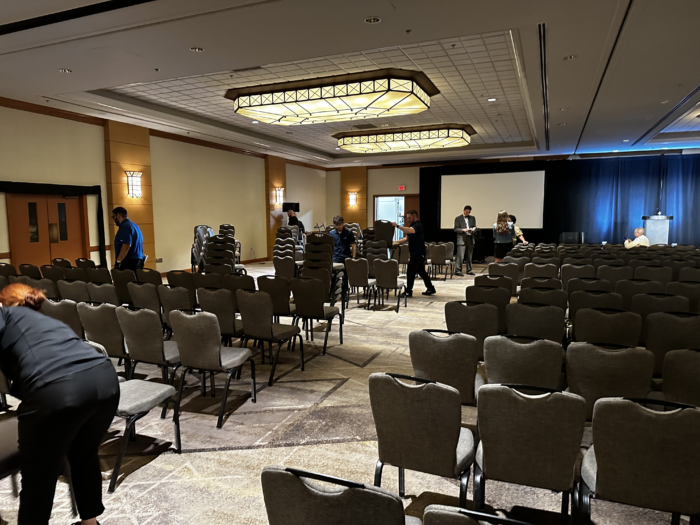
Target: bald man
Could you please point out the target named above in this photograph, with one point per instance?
(639, 239)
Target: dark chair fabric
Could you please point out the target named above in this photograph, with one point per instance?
(631, 287)
(478, 320)
(664, 332)
(490, 295)
(607, 326)
(546, 322)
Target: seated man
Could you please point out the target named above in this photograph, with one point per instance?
(344, 241)
(639, 239)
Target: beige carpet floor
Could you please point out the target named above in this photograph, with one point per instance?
(318, 420)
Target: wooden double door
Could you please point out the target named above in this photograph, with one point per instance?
(44, 227)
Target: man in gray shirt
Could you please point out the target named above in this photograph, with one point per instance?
(465, 227)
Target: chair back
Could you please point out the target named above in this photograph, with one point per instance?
(198, 339)
(65, 311)
(666, 331)
(516, 451)
(309, 296)
(630, 287)
(511, 270)
(149, 275)
(649, 303)
(59, 261)
(676, 267)
(145, 295)
(546, 260)
(7, 269)
(597, 371)
(371, 257)
(238, 282)
(681, 372)
(495, 280)
(103, 293)
(357, 272)
(173, 298)
(607, 326)
(550, 271)
(593, 299)
(445, 357)
(30, 271)
(541, 282)
(75, 274)
(685, 274)
(570, 271)
(660, 274)
(256, 314)
(387, 273)
(186, 281)
(418, 427)
(280, 292)
(207, 280)
(55, 273)
(74, 290)
(593, 284)
(688, 289)
(98, 275)
(220, 303)
(478, 320)
(543, 296)
(535, 320)
(284, 266)
(523, 361)
(647, 458)
(85, 263)
(102, 327)
(143, 334)
(121, 278)
(292, 497)
(494, 295)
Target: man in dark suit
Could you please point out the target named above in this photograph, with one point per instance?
(465, 227)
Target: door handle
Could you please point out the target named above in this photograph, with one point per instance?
(53, 232)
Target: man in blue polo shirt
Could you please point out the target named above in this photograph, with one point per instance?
(345, 245)
(128, 243)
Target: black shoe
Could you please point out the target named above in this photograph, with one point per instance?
(408, 293)
(431, 291)
(459, 274)
(470, 273)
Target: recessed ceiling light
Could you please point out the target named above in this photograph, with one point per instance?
(387, 125)
(491, 99)
(570, 57)
(337, 148)
(664, 101)
(372, 20)
(563, 109)
(256, 122)
(615, 150)
(64, 70)
(625, 140)
(196, 49)
(261, 144)
(562, 124)
(664, 148)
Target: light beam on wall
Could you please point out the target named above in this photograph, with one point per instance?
(372, 94)
(133, 179)
(279, 196)
(406, 139)
(353, 198)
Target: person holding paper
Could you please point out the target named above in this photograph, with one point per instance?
(465, 228)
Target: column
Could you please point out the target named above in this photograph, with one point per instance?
(354, 179)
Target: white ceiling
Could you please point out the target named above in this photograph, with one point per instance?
(630, 79)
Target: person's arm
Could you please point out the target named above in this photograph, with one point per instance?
(631, 244)
(519, 235)
(122, 253)
(474, 227)
(405, 229)
(458, 228)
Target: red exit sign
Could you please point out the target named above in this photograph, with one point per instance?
(402, 188)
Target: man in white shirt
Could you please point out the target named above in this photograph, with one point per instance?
(639, 239)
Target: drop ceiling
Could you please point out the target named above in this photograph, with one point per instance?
(627, 87)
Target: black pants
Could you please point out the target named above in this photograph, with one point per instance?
(416, 265)
(66, 418)
(131, 264)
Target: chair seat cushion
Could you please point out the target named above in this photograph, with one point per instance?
(299, 263)
(330, 312)
(589, 469)
(371, 282)
(172, 355)
(338, 266)
(239, 267)
(465, 450)
(232, 357)
(9, 449)
(139, 396)
(282, 332)
(412, 520)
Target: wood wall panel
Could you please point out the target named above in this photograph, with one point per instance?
(354, 179)
(275, 177)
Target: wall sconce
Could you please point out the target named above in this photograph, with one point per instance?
(279, 196)
(133, 179)
(353, 198)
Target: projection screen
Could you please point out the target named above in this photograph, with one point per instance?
(520, 194)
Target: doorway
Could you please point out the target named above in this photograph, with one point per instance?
(44, 227)
(393, 208)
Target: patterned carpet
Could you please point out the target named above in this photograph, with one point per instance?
(318, 419)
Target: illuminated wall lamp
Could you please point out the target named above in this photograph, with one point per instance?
(279, 196)
(353, 198)
(133, 179)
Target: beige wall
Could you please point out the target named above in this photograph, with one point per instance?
(332, 194)
(39, 148)
(198, 185)
(307, 186)
(386, 181)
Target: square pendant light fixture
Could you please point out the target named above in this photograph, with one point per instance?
(406, 139)
(373, 94)
(353, 198)
(279, 196)
(133, 179)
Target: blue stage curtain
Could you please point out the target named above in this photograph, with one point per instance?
(681, 198)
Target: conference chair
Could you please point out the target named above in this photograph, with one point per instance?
(103, 293)
(54, 273)
(666, 331)
(358, 277)
(280, 292)
(660, 274)
(521, 260)
(449, 358)
(309, 298)
(292, 497)
(477, 320)
(207, 280)
(7, 269)
(681, 371)
(495, 280)
(490, 295)
(148, 275)
(607, 326)
(592, 299)
(546, 260)
(636, 263)
(676, 267)
(30, 271)
(628, 288)
(238, 282)
(3, 282)
(536, 320)
(595, 371)
(571, 271)
(541, 282)
(220, 302)
(65, 311)
(199, 344)
(644, 458)
(612, 262)
(186, 281)
(102, 327)
(284, 266)
(648, 303)
(521, 361)
(172, 298)
(543, 296)
(387, 279)
(688, 289)
(370, 260)
(577, 261)
(685, 274)
(85, 263)
(121, 279)
(550, 271)
(59, 261)
(98, 275)
(74, 290)
(588, 284)
(75, 274)
(420, 428)
(615, 274)
(513, 450)
(510, 270)
(256, 316)
(145, 295)
(444, 515)
(437, 260)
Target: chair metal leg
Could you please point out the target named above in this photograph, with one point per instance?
(311, 324)
(328, 329)
(479, 489)
(125, 440)
(220, 422)
(301, 349)
(398, 301)
(565, 507)
(132, 369)
(402, 482)
(176, 414)
(675, 518)
(341, 329)
(274, 365)
(3, 402)
(15, 485)
(463, 484)
(203, 381)
(378, 473)
(253, 388)
(212, 382)
(178, 438)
